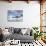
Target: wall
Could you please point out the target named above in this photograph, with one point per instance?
(31, 14)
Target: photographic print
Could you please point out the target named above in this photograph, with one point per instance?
(15, 15)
